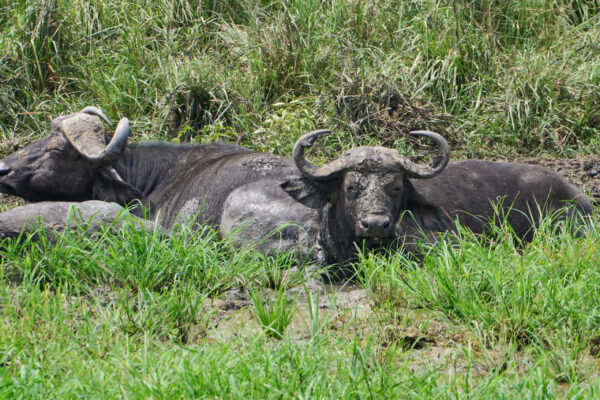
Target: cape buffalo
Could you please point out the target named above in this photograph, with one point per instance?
(75, 163)
(356, 198)
(373, 196)
(369, 196)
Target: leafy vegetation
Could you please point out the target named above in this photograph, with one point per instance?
(81, 317)
(495, 77)
(138, 314)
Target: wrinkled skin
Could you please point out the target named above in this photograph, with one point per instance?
(370, 202)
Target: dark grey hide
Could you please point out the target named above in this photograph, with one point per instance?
(369, 196)
(478, 193)
(57, 216)
(76, 162)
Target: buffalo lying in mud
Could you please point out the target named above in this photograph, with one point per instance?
(370, 196)
(373, 196)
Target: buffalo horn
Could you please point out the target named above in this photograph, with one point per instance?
(439, 162)
(322, 173)
(86, 135)
(116, 147)
(91, 110)
(338, 166)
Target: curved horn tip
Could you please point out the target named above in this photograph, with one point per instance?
(422, 133)
(123, 124)
(439, 161)
(321, 132)
(435, 137)
(308, 139)
(97, 112)
(116, 147)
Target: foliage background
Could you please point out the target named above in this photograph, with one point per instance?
(139, 314)
(497, 78)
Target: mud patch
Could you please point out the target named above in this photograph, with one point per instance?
(264, 162)
(334, 303)
(7, 202)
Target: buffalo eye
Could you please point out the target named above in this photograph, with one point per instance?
(351, 190)
(354, 184)
(396, 189)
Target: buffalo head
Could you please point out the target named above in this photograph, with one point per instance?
(362, 193)
(73, 163)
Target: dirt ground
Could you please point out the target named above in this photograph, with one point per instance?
(346, 310)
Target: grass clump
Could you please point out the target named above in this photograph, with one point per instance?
(127, 257)
(495, 77)
(169, 315)
(273, 315)
(515, 296)
(539, 297)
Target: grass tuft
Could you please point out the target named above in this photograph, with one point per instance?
(273, 315)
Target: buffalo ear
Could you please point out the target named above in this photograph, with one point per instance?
(419, 212)
(306, 192)
(108, 187)
(423, 215)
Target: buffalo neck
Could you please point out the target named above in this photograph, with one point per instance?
(148, 167)
(336, 237)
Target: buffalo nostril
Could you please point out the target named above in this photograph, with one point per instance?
(4, 169)
(376, 225)
(386, 223)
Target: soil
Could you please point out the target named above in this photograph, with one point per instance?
(346, 311)
(8, 201)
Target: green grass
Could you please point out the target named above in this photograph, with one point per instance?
(146, 314)
(273, 315)
(497, 78)
(514, 321)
